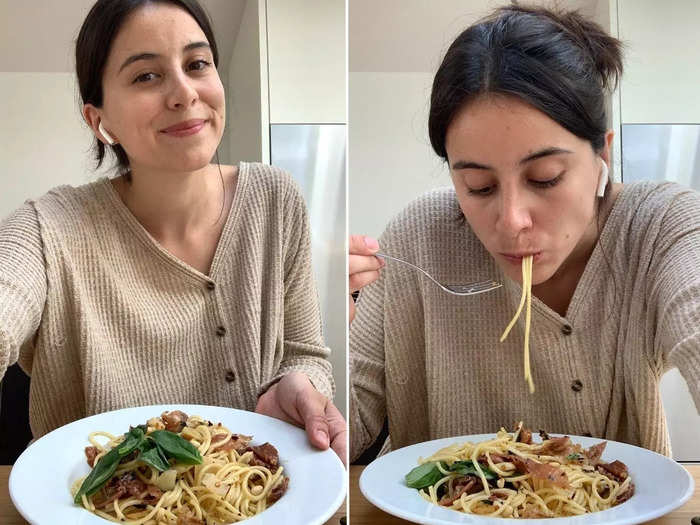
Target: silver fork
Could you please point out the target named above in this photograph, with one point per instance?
(456, 289)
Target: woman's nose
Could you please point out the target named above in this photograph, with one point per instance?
(181, 92)
(514, 216)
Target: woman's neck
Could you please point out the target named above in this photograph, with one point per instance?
(174, 205)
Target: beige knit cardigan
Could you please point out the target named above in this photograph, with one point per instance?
(432, 362)
(102, 317)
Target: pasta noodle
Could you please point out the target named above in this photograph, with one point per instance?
(232, 482)
(512, 477)
(526, 296)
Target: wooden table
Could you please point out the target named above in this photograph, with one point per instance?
(10, 516)
(362, 512)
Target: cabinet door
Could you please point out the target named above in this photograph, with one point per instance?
(306, 57)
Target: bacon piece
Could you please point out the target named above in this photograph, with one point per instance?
(593, 453)
(624, 496)
(174, 421)
(238, 442)
(277, 492)
(152, 494)
(91, 454)
(525, 436)
(265, 455)
(559, 446)
(616, 470)
(462, 485)
(127, 484)
(554, 475)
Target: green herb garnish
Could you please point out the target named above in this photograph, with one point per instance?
(155, 450)
(423, 476)
(467, 467)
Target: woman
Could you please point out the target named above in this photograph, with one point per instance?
(178, 281)
(517, 111)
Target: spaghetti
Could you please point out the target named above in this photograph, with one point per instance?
(512, 477)
(214, 476)
(526, 296)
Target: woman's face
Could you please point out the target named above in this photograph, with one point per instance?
(163, 98)
(525, 184)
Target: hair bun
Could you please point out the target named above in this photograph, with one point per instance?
(605, 51)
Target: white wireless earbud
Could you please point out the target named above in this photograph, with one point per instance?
(603, 181)
(106, 135)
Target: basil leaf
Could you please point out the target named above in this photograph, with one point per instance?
(132, 440)
(467, 467)
(423, 476)
(100, 474)
(152, 455)
(176, 447)
(105, 467)
(574, 457)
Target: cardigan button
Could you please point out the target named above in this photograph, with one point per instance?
(576, 385)
(566, 329)
(230, 376)
(211, 285)
(221, 331)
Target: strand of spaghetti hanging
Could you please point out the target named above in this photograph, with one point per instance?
(526, 296)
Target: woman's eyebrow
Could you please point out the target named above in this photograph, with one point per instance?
(464, 164)
(151, 56)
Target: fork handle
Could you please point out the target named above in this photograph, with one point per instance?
(385, 256)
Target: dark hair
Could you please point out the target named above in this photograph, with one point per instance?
(559, 62)
(95, 41)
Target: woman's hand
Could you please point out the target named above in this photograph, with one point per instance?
(363, 266)
(295, 400)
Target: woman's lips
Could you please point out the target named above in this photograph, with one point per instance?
(517, 259)
(185, 129)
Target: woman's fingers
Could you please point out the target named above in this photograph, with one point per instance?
(363, 245)
(364, 263)
(311, 405)
(358, 280)
(269, 405)
(338, 432)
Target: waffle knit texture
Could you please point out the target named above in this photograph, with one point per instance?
(102, 317)
(432, 361)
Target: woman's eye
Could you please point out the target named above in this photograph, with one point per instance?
(199, 65)
(482, 192)
(145, 77)
(547, 183)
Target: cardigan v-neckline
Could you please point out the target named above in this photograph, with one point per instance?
(172, 261)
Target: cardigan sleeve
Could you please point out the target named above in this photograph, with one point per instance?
(304, 347)
(22, 285)
(675, 272)
(368, 407)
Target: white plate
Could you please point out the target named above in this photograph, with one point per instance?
(661, 485)
(41, 477)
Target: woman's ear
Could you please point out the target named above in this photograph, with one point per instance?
(93, 119)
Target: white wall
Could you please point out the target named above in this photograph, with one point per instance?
(661, 80)
(43, 141)
(391, 161)
(306, 53)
